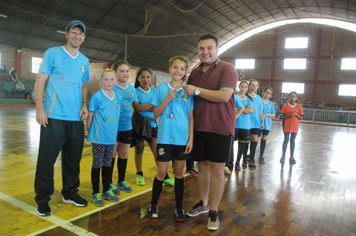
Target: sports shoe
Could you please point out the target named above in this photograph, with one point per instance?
(169, 181)
(198, 209)
(244, 164)
(180, 214)
(153, 212)
(114, 189)
(192, 172)
(252, 164)
(97, 199)
(227, 171)
(43, 209)
(261, 160)
(213, 220)
(237, 166)
(140, 180)
(292, 160)
(124, 186)
(109, 195)
(282, 159)
(76, 200)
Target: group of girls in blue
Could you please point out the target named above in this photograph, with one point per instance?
(254, 122)
(110, 131)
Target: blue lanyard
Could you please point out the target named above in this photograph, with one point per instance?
(172, 109)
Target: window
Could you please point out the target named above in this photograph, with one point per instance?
(245, 64)
(36, 62)
(289, 87)
(292, 43)
(348, 64)
(347, 90)
(295, 63)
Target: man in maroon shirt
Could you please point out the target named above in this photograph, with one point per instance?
(213, 83)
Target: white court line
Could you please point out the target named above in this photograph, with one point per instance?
(89, 213)
(53, 219)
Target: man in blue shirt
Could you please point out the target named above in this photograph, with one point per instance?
(60, 112)
(9, 89)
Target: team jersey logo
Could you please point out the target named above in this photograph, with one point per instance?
(81, 68)
(132, 95)
(118, 106)
(62, 80)
(182, 95)
(105, 118)
(161, 151)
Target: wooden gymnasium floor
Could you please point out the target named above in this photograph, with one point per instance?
(317, 196)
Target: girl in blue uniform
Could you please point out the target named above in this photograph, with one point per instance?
(242, 125)
(103, 104)
(256, 120)
(175, 133)
(124, 134)
(268, 113)
(238, 111)
(144, 109)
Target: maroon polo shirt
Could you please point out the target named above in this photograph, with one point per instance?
(210, 116)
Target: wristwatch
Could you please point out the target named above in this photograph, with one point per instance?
(197, 91)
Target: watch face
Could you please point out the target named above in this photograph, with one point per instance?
(197, 92)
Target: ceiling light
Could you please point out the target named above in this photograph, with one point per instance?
(1, 15)
(61, 32)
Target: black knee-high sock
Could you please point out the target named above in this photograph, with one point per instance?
(253, 151)
(95, 179)
(166, 177)
(189, 164)
(262, 148)
(245, 153)
(105, 175)
(121, 167)
(179, 191)
(112, 169)
(240, 151)
(139, 173)
(156, 191)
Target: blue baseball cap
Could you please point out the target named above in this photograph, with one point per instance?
(76, 23)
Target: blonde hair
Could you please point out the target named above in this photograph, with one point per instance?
(107, 71)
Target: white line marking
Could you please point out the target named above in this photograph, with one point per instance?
(53, 219)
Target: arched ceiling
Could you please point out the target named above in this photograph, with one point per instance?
(149, 32)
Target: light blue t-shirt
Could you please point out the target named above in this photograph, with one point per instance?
(174, 131)
(268, 108)
(128, 95)
(146, 97)
(106, 118)
(243, 121)
(63, 97)
(255, 119)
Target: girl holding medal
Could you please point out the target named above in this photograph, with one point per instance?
(175, 133)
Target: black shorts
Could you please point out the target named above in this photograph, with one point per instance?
(243, 134)
(254, 131)
(167, 152)
(263, 132)
(211, 146)
(154, 132)
(124, 136)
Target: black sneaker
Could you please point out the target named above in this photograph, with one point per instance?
(76, 200)
(244, 164)
(153, 212)
(252, 164)
(261, 160)
(180, 214)
(43, 209)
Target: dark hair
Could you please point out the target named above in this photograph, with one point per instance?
(209, 36)
(294, 93)
(244, 81)
(119, 63)
(268, 87)
(139, 72)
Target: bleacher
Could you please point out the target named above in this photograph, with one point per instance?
(17, 100)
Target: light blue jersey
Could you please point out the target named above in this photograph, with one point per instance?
(243, 121)
(175, 130)
(128, 95)
(146, 97)
(106, 118)
(255, 119)
(268, 108)
(63, 97)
